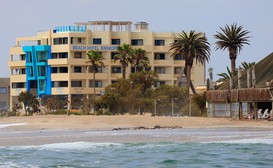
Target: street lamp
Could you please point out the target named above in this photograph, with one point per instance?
(172, 105)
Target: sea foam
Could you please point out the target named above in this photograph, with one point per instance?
(9, 125)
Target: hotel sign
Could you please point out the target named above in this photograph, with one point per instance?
(101, 48)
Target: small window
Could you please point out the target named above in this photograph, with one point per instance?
(77, 69)
(18, 85)
(78, 55)
(63, 69)
(96, 40)
(160, 83)
(116, 69)
(60, 41)
(42, 70)
(63, 55)
(113, 54)
(137, 42)
(54, 70)
(159, 42)
(76, 83)
(177, 70)
(160, 70)
(98, 84)
(179, 57)
(3, 90)
(159, 56)
(115, 41)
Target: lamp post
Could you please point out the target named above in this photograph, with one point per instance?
(172, 105)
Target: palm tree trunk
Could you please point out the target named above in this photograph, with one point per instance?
(94, 83)
(189, 83)
(123, 72)
(232, 56)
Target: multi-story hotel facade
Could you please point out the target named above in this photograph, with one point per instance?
(54, 61)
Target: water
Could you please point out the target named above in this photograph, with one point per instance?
(148, 149)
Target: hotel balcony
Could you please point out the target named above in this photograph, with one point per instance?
(163, 62)
(165, 76)
(61, 61)
(78, 90)
(59, 77)
(17, 63)
(59, 91)
(16, 50)
(17, 91)
(161, 48)
(18, 78)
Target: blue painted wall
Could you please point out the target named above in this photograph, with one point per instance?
(38, 69)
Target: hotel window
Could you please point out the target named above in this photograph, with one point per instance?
(116, 69)
(115, 41)
(160, 70)
(63, 55)
(63, 69)
(54, 69)
(60, 41)
(60, 84)
(3, 90)
(42, 70)
(23, 57)
(77, 69)
(137, 42)
(96, 40)
(76, 40)
(159, 42)
(113, 81)
(159, 56)
(33, 84)
(113, 54)
(77, 54)
(18, 85)
(23, 71)
(179, 57)
(29, 56)
(41, 56)
(99, 70)
(160, 83)
(76, 83)
(98, 84)
(177, 70)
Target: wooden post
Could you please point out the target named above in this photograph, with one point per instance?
(248, 78)
(253, 78)
(255, 111)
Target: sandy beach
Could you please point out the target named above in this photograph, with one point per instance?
(48, 129)
(72, 122)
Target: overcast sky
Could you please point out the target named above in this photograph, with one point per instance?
(20, 18)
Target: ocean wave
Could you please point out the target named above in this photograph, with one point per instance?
(246, 141)
(69, 146)
(17, 165)
(9, 125)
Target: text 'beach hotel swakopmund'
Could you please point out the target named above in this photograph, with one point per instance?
(54, 61)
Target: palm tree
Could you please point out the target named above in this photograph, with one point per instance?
(225, 76)
(95, 59)
(141, 60)
(247, 65)
(124, 57)
(233, 38)
(192, 46)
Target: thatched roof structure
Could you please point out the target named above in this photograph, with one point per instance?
(264, 73)
(239, 95)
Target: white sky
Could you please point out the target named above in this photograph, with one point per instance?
(20, 18)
